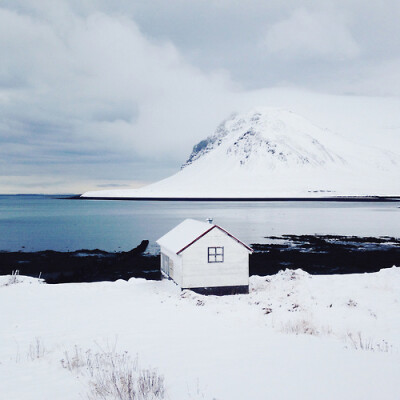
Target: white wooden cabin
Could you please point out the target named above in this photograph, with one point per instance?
(204, 257)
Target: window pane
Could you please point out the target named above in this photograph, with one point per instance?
(215, 254)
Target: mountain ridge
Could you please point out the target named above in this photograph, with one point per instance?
(272, 152)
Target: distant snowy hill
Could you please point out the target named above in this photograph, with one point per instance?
(272, 152)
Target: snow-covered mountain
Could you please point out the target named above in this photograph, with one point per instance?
(270, 152)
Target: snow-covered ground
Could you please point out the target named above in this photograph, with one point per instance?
(272, 152)
(295, 336)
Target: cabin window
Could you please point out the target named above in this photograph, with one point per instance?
(215, 254)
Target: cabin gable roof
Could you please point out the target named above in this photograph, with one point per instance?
(188, 232)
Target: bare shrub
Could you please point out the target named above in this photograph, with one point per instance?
(358, 342)
(114, 375)
(13, 279)
(302, 326)
(150, 382)
(36, 350)
(76, 360)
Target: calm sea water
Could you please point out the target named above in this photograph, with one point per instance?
(31, 223)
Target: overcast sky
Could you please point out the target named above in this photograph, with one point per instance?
(101, 94)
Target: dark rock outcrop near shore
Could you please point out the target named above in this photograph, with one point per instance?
(325, 254)
(83, 265)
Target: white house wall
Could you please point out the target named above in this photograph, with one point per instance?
(198, 272)
(175, 272)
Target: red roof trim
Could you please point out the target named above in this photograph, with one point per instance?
(195, 240)
(205, 233)
(233, 237)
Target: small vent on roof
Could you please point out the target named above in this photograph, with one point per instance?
(210, 220)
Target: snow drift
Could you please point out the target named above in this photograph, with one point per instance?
(270, 152)
(294, 336)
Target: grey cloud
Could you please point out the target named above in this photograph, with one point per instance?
(340, 35)
(98, 84)
(311, 35)
(125, 88)
(227, 35)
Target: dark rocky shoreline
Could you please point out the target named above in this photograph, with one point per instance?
(325, 254)
(315, 254)
(82, 265)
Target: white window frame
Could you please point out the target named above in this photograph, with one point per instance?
(216, 254)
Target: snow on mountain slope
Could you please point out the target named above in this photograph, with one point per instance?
(270, 152)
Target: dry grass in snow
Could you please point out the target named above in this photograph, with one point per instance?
(114, 375)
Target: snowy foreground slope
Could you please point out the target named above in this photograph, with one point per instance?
(295, 336)
(272, 152)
